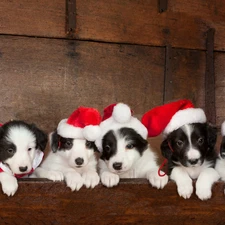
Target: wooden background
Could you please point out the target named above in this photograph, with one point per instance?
(57, 55)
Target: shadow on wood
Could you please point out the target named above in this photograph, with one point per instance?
(132, 202)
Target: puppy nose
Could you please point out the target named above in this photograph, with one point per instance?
(79, 161)
(23, 168)
(193, 161)
(117, 166)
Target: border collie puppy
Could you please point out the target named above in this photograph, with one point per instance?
(71, 159)
(191, 155)
(220, 163)
(188, 145)
(73, 151)
(125, 152)
(21, 146)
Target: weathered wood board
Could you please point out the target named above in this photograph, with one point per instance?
(132, 202)
(183, 25)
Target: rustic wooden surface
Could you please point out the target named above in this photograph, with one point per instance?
(44, 80)
(220, 87)
(132, 202)
(184, 24)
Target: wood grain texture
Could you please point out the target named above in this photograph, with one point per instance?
(33, 18)
(184, 24)
(132, 202)
(44, 80)
(186, 77)
(220, 87)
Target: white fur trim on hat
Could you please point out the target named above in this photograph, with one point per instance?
(111, 124)
(69, 131)
(223, 129)
(91, 133)
(121, 113)
(185, 116)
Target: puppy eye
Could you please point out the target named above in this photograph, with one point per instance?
(107, 148)
(180, 143)
(129, 146)
(200, 141)
(68, 143)
(10, 151)
(29, 149)
(88, 144)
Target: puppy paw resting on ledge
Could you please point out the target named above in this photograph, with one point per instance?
(188, 146)
(73, 150)
(125, 152)
(21, 152)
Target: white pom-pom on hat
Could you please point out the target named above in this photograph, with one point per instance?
(121, 113)
(91, 133)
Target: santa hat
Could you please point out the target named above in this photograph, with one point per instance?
(223, 129)
(169, 117)
(83, 123)
(117, 116)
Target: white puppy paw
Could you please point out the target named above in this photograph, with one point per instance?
(74, 181)
(91, 179)
(203, 193)
(55, 175)
(9, 185)
(157, 181)
(185, 189)
(109, 179)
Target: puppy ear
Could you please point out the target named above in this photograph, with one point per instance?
(222, 148)
(212, 135)
(165, 150)
(1, 132)
(41, 137)
(54, 141)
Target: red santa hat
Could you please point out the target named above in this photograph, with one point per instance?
(117, 116)
(83, 123)
(223, 129)
(169, 117)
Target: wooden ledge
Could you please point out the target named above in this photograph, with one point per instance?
(134, 201)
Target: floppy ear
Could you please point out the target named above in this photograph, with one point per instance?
(41, 137)
(212, 135)
(1, 132)
(165, 150)
(54, 141)
(222, 148)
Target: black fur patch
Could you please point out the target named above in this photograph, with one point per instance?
(109, 142)
(222, 148)
(7, 149)
(203, 138)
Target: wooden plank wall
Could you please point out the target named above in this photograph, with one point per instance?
(117, 53)
(56, 55)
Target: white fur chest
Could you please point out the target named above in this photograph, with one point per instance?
(194, 172)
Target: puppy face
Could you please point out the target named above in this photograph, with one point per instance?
(76, 152)
(18, 144)
(190, 144)
(122, 148)
(222, 148)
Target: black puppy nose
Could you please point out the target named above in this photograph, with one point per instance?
(193, 161)
(79, 161)
(117, 166)
(23, 168)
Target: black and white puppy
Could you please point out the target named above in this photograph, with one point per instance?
(220, 163)
(72, 160)
(191, 155)
(21, 146)
(126, 154)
